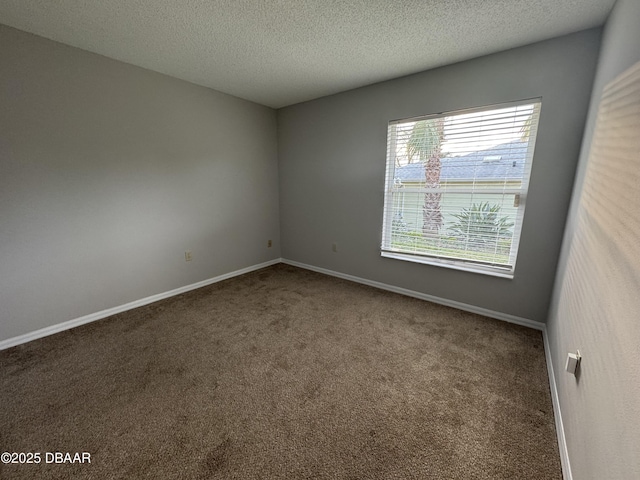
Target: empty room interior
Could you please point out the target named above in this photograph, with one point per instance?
(305, 239)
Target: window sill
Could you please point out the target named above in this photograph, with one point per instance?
(453, 264)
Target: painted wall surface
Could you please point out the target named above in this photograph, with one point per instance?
(596, 306)
(109, 172)
(332, 169)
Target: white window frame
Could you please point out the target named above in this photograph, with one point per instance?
(391, 189)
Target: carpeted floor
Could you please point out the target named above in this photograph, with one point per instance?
(283, 373)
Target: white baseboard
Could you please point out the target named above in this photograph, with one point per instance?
(27, 337)
(555, 400)
(423, 296)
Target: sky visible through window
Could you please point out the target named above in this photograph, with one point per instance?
(469, 132)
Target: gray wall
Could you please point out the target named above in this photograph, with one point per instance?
(596, 302)
(332, 164)
(109, 172)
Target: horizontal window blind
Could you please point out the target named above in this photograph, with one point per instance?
(456, 186)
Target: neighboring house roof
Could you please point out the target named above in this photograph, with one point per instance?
(502, 162)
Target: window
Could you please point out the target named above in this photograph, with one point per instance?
(456, 187)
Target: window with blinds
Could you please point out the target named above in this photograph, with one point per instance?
(456, 186)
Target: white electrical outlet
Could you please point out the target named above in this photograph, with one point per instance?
(573, 362)
(187, 256)
(334, 247)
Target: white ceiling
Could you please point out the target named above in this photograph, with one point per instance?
(280, 52)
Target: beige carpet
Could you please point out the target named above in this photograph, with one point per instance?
(283, 373)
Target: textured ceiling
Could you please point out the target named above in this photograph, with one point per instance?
(280, 52)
